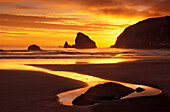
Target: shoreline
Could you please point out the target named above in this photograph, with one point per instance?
(148, 74)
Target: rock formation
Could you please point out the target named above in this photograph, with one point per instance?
(81, 41)
(107, 91)
(34, 48)
(153, 33)
(1, 50)
(66, 45)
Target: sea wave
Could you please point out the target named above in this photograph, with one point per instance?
(89, 53)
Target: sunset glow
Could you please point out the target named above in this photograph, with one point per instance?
(67, 97)
(52, 22)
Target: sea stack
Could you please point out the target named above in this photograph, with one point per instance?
(34, 48)
(81, 41)
(66, 45)
(153, 33)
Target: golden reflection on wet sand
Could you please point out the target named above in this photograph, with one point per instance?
(60, 61)
(66, 98)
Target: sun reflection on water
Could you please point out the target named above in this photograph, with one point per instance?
(66, 98)
(61, 61)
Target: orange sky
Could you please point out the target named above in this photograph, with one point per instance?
(52, 22)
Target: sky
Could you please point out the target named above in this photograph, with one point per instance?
(52, 22)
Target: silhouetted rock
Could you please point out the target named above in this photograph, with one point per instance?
(139, 89)
(1, 50)
(81, 41)
(34, 48)
(66, 45)
(107, 91)
(73, 46)
(83, 99)
(153, 33)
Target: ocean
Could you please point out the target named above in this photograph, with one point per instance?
(20, 59)
(54, 55)
(72, 53)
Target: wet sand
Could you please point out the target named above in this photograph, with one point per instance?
(154, 74)
(30, 91)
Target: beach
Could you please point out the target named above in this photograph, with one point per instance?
(84, 56)
(32, 91)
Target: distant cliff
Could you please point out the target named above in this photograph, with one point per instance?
(153, 33)
(81, 41)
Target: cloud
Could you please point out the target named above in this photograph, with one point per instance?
(9, 1)
(124, 11)
(108, 25)
(131, 8)
(23, 18)
(89, 8)
(162, 7)
(128, 8)
(27, 8)
(97, 3)
(47, 23)
(13, 33)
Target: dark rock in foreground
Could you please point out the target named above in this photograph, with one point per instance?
(107, 91)
(81, 41)
(34, 48)
(1, 50)
(153, 33)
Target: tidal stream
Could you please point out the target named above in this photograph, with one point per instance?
(66, 98)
